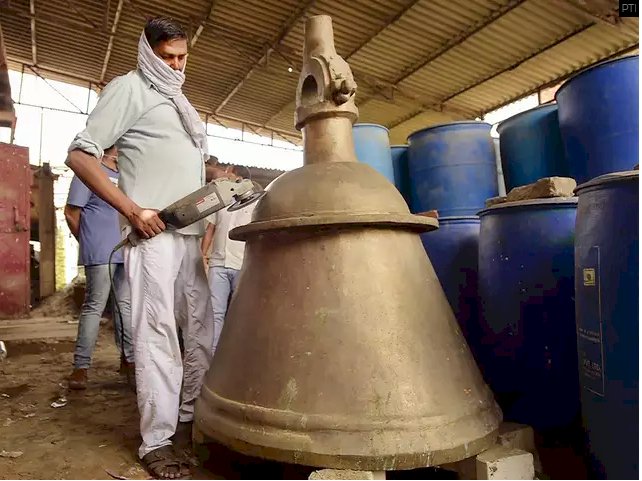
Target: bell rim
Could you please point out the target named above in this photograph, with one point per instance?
(296, 443)
(399, 221)
(389, 462)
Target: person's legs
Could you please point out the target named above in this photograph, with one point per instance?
(197, 325)
(152, 267)
(123, 322)
(220, 288)
(234, 280)
(96, 296)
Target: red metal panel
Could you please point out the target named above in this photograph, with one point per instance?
(15, 181)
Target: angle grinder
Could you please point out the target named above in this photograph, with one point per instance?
(214, 196)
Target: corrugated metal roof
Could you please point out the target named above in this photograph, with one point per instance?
(417, 62)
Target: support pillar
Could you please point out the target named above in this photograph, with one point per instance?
(47, 231)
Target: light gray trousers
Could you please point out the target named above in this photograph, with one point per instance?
(168, 289)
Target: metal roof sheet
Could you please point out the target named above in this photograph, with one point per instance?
(416, 62)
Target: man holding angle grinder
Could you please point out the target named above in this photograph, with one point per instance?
(162, 145)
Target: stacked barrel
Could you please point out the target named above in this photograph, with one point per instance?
(528, 342)
(599, 124)
(558, 279)
(545, 289)
(452, 170)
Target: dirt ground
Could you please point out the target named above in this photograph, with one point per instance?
(94, 435)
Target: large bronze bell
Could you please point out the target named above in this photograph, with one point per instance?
(339, 348)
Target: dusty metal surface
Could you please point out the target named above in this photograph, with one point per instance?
(340, 349)
(418, 62)
(15, 178)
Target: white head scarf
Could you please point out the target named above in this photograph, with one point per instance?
(169, 83)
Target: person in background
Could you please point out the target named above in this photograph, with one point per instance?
(94, 223)
(225, 258)
(162, 147)
(214, 170)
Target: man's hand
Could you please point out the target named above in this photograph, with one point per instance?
(146, 222)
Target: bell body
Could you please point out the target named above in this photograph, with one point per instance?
(339, 347)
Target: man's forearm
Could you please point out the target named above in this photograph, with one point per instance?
(207, 239)
(73, 222)
(87, 168)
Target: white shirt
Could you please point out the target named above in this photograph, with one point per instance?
(158, 162)
(225, 251)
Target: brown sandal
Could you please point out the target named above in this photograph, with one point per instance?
(164, 463)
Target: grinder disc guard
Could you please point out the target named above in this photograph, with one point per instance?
(247, 198)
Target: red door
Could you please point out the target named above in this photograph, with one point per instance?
(15, 182)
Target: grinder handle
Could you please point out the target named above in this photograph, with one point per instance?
(133, 239)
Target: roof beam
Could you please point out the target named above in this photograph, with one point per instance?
(285, 134)
(521, 61)
(399, 98)
(412, 101)
(605, 17)
(110, 44)
(60, 72)
(382, 89)
(57, 21)
(509, 68)
(138, 10)
(79, 11)
(459, 39)
(394, 18)
(201, 27)
(224, 37)
(37, 74)
(626, 50)
(7, 111)
(107, 15)
(280, 132)
(226, 33)
(34, 50)
(376, 84)
(285, 30)
(358, 77)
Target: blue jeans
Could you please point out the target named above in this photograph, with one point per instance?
(96, 297)
(222, 282)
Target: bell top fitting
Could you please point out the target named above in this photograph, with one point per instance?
(333, 189)
(326, 85)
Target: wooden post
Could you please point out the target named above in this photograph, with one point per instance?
(47, 231)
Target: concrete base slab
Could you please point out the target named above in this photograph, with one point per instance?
(513, 457)
(346, 474)
(505, 463)
(519, 436)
